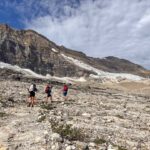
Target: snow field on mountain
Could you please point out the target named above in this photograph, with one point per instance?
(29, 72)
(100, 73)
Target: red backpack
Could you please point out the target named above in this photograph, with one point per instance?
(47, 89)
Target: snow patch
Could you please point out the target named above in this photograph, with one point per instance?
(21, 70)
(82, 64)
(54, 50)
(101, 74)
(28, 72)
(71, 80)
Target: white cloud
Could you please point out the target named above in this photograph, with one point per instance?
(99, 28)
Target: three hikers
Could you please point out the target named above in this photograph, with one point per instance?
(48, 90)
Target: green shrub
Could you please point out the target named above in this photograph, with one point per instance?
(119, 116)
(67, 132)
(3, 114)
(99, 141)
(121, 148)
(47, 106)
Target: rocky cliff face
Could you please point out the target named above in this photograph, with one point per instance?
(31, 50)
(28, 49)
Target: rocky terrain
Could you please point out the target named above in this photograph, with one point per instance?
(96, 116)
(28, 49)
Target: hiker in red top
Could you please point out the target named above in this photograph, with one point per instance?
(65, 91)
(48, 91)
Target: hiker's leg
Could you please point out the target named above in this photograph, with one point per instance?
(34, 101)
(50, 99)
(46, 101)
(65, 96)
(31, 100)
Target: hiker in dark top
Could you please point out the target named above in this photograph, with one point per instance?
(48, 91)
(32, 89)
(65, 91)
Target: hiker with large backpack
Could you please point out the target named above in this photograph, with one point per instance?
(65, 91)
(48, 91)
(32, 90)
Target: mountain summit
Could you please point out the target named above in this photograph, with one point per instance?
(29, 49)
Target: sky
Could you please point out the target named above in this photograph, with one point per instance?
(99, 28)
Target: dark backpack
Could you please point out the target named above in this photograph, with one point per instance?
(34, 88)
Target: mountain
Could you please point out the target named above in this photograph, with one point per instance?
(29, 49)
(117, 65)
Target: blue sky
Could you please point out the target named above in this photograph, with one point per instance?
(98, 28)
(17, 12)
(9, 15)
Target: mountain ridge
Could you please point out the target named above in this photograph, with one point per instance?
(29, 49)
